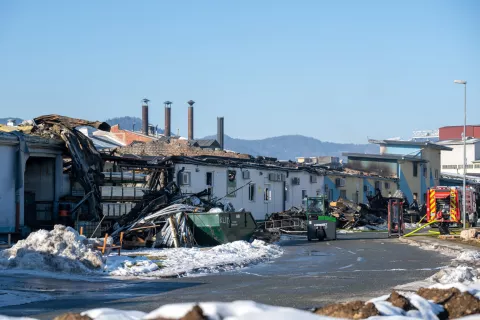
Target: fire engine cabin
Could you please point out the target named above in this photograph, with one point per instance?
(444, 204)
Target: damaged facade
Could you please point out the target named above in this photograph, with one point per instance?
(32, 181)
(414, 165)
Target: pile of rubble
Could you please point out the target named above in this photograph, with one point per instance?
(160, 218)
(350, 215)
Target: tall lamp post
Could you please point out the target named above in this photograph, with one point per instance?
(464, 149)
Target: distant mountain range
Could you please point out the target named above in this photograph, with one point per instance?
(283, 147)
(291, 146)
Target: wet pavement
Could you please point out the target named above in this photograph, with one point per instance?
(309, 274)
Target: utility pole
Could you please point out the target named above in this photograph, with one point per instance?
(464, 213)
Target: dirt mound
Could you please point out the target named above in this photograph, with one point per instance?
(456, 303)
(349, 310)
(397, 300)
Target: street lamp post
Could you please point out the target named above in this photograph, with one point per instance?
(464, 150)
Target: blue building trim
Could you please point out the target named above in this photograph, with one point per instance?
(331, 186)
(404, 184)
(423, 186)
(370, 187)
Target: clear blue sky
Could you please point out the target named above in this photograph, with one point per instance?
(334, 70)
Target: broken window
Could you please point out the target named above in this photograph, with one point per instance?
(251, 192)
(210, 179)
(415, 169)
(185, 179)
(304, 194)
(267, 194)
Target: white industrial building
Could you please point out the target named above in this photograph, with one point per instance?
(451, 161)
(258, 188)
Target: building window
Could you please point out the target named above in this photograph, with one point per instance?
(449, 166)
(304, 194)
(425, 171)
(436, 173)
(210, 179)
(343, 194)
(387, 185)
(378, 185)
(319, 192)
(185, 179)
(415, 169)
(330, 195)
(251, 192)
(267, 194)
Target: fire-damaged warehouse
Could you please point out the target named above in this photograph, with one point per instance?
(55, 172)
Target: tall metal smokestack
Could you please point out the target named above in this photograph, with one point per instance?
(190, 120)
(145, 116)
(220, 132)
(168, 118)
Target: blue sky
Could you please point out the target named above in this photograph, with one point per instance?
(338, 71)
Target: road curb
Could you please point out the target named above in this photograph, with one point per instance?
(445, 248)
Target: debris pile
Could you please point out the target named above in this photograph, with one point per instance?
(59, 250)
(350, 215)
(160, 219)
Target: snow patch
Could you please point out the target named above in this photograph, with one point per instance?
(460, 274)
(189, 261)
(468, 255)
(59, 250)
(233, 311)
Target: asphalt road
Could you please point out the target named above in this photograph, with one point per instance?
(309, 274)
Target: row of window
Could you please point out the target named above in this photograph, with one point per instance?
(425, 171)
(460, 166)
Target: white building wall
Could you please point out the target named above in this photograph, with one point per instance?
(7, 188)
(452, 160)
(259, 206)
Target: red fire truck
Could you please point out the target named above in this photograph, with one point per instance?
(445, 205)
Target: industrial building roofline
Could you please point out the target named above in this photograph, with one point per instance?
(410, 143)
(384, 156)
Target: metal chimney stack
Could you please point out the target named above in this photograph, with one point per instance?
(168, 118)
(220, 132)
(190, 119)
(145, 116)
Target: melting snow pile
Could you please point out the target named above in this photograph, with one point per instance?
(59, 250)
(185, 261)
